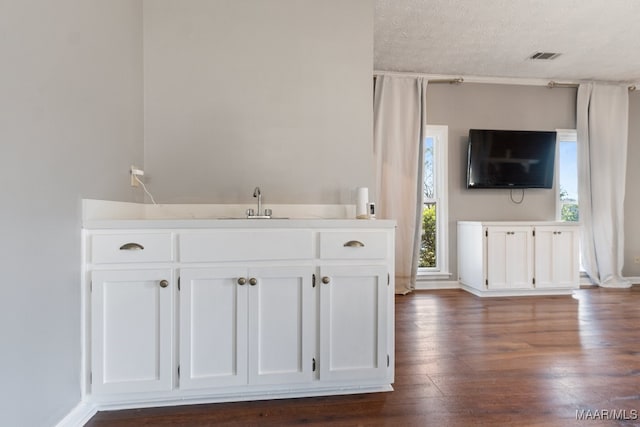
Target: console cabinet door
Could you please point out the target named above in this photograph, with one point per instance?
(509, 257)
(242, 326)
(353, 322)
(131, 331)
(281, 325)
(556, 257)
(213, 327)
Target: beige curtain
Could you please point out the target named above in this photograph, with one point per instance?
(603, 123)
(399, 126)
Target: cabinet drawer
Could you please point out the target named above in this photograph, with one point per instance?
(353, 245)
(245, 245)
(131, 247)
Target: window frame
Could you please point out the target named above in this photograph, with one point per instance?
(564, 135)
(440, 135)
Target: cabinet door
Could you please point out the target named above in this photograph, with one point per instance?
(131, 331)
(556, 257)
(213, 327)
(281, 325)
(509, 257)
(353, 322)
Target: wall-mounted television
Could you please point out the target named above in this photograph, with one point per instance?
(510, 159)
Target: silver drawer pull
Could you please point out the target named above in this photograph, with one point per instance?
(131, 247)
(353, 244)
(164, 283)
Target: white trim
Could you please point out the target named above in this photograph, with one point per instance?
(518, 292)
(431, 285)
(440, 135)
(585, 280)
(80, 415)
(425, 275)
(518, 81)
(635, 280)
(86, 409)
(563, 135)
(567, 134)
(473, 79)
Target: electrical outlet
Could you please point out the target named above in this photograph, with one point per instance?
(636, 260)
(135, 172)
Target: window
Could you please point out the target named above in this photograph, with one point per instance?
(433, 248)
(567, 174)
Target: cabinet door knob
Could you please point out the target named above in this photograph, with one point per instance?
(164, 283)
(241, 281)
(253, 281)
(326, 280)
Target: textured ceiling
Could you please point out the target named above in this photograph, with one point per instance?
(597, 39)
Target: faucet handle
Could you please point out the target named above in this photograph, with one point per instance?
(268, 212)
(250, 212)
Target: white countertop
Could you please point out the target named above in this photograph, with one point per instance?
(235, 223)
(103, 215)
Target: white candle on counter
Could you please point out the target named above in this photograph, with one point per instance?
(362, 203)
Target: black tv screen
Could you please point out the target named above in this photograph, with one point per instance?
(510, 159)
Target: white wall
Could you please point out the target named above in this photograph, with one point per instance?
(495, 106)
(632, 195)
(70, 125)
(273, 93)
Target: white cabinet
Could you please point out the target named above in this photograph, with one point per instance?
(353, 322)
(518, 258)
(509, 257)
(242, 326)
(557, 257)
(131, 330)
(213, 328)
(282, 328)
(235, 310)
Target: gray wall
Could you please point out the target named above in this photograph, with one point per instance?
(494, 106)
(271, 93)
(70, 125)
(632, 195)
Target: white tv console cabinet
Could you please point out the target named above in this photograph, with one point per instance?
(211, 310)
(510, 258)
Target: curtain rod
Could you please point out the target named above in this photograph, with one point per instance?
(453, 80)
(439, 78)
(553, 84)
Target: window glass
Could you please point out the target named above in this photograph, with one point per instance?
(568, 208)
(429, 242)
(433, 248)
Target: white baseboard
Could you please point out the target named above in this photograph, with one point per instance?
(518, 292)
(79, 415)
(586, 282)
(430, 285)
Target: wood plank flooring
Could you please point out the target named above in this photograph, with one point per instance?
(468, 361)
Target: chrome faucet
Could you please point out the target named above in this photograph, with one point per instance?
(257, 193)
(259, 214)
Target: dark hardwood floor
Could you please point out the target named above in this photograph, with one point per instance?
(466, 361)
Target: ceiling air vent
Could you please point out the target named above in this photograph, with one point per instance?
(544, 56)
